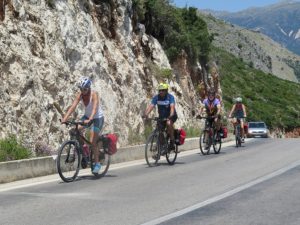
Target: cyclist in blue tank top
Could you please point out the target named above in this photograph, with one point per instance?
(166, 109)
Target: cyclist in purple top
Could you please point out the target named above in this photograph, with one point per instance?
(166, 109)
(212, 107)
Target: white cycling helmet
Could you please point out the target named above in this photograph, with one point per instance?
(84, 82)
(239, 99)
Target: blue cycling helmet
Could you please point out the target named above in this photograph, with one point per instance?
(84, 83)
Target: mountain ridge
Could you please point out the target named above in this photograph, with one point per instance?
(278, 21)
(255, 48)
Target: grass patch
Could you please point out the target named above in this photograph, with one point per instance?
(11, 149)
(192, 131)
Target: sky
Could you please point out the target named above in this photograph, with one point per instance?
(225, 5)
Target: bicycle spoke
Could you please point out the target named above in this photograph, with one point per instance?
(152, 152)
(217, 143)
(204, 143)
(172, 155)
(104, 159)
(68, 161)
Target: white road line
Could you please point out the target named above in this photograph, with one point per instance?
(222, 196)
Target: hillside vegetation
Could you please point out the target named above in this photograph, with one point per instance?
(176, 29)
(266, 97)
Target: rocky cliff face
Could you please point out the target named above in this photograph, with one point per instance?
(47, 45)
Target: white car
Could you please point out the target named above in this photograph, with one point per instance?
(257, 129)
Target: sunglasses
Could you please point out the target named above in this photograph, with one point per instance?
(84, 89)
(162, 90)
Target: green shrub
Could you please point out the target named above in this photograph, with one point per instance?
(192, 131)
(176, 29)
(161, 74)
(134, 137)
(10, 149)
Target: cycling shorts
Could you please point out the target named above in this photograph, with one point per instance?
(96, 125)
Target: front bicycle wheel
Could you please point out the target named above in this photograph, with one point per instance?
(152, 151)
(217, 143)
(204, 143)
(68, 161)
(238, 141)
(104, 159)
(172, 155)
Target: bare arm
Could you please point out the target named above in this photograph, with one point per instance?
(218, 109)
(172, 110)
(149, 109)
(72, 108)
(232, 109)
(244, 109)
(95, 101)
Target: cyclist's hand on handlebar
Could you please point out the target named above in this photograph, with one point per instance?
(199, 117)
(62, 121)
(87, 122)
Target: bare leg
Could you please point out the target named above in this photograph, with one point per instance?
(93, 136)
(242, 129)
(170, 129)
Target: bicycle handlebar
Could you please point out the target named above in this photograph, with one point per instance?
(75, 123)
(157, 119)
(206, 117)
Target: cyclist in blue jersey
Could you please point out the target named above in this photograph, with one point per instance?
(166, 109)
(212, 106)
(238, 111)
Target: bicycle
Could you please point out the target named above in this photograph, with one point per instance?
(158, 145)
(237, 132)
(210, 137)
(71, 154)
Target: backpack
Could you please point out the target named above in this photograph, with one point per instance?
(111, 143)
(180, 136)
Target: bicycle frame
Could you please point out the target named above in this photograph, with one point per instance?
(162, 133)
(209, 137)
(238, 138)
(66, 165)
(158, 145)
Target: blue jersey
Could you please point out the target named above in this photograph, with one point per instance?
(163, 104)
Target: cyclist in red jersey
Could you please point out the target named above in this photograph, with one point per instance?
(238, 111)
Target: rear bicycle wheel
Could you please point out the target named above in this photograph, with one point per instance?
(104, 159)
(217, 143)
(204, 144)
(152, 150)
(68, 161)
(172, 155)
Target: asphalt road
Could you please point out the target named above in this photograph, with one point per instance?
(255, 184)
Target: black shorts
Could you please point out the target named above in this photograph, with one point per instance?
(173, 119)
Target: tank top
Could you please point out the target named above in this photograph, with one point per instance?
(89, 109)
(238, 111)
